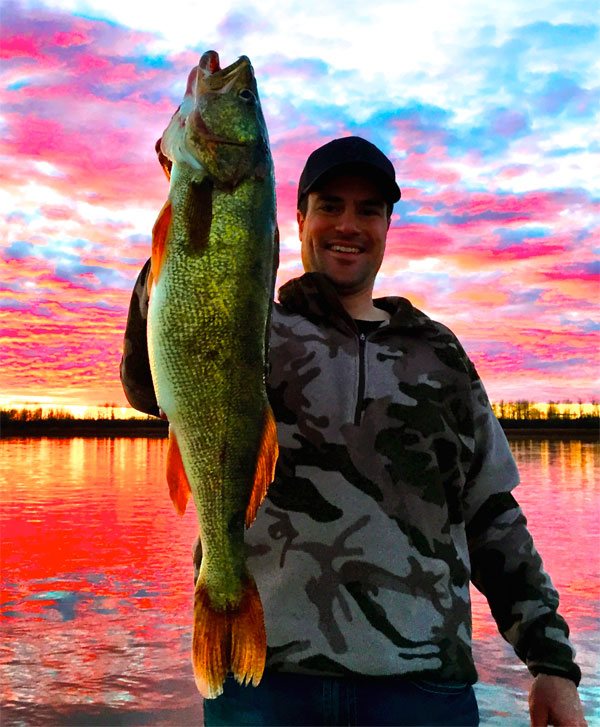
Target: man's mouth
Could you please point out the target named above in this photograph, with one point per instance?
(345, 248)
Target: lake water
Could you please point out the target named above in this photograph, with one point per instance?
(97, 583)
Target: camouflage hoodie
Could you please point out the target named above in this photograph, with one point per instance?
(392, 491)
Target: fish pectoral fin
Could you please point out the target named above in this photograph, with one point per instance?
(233, 640)
(265, 465)
(199, 219)
(160, 233)
(179, 486)
(165, 162)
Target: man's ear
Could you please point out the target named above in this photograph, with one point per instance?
(300, 218)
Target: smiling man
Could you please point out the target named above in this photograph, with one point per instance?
(393, 491)
(344, 213)
(343, 234)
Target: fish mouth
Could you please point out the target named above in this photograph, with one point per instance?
(211, 78)
(209, 62)
(214, 79)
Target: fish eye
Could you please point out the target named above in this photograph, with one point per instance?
(247, 96)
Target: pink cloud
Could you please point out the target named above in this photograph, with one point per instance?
(76, 101)
(480, 295)
(512, 171)
(581, 289)
(409, 134)
(71, 38)
(575, 275)
(59, 212)
(416, 241)
(447, 197)
(20, 46)
(429, 167)
(291, 150)
(519, 207)
(97, 162)
(91, 62)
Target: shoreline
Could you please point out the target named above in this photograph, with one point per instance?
(587, 434)
(109, 429)
(158, 429)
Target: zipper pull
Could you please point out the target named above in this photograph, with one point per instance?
(362, 337)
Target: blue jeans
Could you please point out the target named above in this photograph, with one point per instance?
(298, 700)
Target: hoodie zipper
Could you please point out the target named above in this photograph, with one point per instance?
(362, 342)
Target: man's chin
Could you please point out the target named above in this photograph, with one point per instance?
(345, 287)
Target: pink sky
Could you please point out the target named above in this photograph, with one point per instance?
(496, 234)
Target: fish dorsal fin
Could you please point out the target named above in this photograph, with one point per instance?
(265, 465)
(179, 486)
(160, 233)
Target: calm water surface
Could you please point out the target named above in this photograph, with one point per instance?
(97, 584)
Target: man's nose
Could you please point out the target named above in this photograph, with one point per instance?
(347, 222)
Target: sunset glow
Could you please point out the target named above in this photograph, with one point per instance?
(489, 112)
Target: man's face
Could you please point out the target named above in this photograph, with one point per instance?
(343, 233)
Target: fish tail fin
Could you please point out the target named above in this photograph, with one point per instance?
(179, 486)
(248, 637)
(233, 640)
(265, 465)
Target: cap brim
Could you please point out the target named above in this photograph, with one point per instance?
(391, 191)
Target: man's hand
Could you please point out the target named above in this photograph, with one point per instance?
(555, 701)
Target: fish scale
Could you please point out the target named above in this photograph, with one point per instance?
(213, 268)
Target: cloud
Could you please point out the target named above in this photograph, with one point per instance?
(589, 271)
(561, 94)
(17, 250)
(558, 36)
(488, 112)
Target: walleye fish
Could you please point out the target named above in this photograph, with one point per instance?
(214, 258)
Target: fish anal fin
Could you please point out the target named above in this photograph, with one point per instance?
(179, 486)
(265, 465)
(232, 639)
(160, 233)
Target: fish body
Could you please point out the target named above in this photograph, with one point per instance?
(213, 267)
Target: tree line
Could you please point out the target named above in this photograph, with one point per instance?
(520, 410)
(60, 415)
(60, 421)
(566, 410)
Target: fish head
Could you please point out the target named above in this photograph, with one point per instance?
(219, 127)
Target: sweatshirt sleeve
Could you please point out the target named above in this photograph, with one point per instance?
(505, 565)
(135, 366)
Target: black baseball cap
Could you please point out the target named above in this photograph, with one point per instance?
(355, 153)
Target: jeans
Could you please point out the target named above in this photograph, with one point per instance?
(298, 700)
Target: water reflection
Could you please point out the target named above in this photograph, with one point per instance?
(97, 582)
(559, 495)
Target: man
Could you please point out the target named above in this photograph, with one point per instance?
(393, 489)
